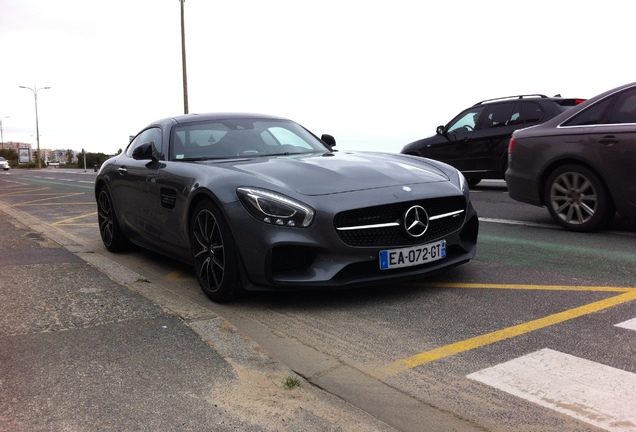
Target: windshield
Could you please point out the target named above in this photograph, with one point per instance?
(225, 139)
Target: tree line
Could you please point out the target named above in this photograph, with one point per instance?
(92, 159)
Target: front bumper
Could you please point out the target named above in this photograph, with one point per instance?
(317, 257)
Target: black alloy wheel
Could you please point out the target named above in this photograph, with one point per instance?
(577, 199)
(112, 235)
(214, 253)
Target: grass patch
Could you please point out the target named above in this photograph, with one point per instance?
(291, 382)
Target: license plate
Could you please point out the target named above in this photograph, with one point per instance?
(411, 256)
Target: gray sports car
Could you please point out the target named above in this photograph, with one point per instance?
(258, 202)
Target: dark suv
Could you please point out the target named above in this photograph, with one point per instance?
(476, 140)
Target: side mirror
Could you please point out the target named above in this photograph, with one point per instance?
(329, 140)
(146, 151)
(440, 130)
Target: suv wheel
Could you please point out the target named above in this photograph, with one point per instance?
(577, 199)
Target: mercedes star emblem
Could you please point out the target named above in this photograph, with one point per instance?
(416, 221)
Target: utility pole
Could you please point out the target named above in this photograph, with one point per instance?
(183, 62)
(2, 133)
(35, 91)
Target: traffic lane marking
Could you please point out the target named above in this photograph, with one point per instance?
(403, 365)
(629, 325)
(592, 392)
(69, 221)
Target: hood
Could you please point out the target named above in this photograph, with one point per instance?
(419, 147)
(341, 172)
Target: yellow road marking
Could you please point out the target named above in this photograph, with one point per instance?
(57, 196)
(66, 221)
(177, 276)
(29, 192)
(32, 204)
(403, 365)
(530, 287)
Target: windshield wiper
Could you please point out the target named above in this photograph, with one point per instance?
(196, 159)
(277, 154)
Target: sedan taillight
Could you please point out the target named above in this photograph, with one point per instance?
(511, 145)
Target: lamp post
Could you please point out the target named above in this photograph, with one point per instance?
(2, 133)
(35, 91)
(183, 62)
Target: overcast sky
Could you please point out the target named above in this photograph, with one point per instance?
(375, 74)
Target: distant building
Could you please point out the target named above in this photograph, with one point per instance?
(12, 145)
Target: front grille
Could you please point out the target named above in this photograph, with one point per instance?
(391, 236)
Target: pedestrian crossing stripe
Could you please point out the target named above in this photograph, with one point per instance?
(594, 393)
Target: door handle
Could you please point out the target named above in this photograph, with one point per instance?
(608, 140)
(122, 170)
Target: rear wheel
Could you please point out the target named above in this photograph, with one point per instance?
(577, 199)
(214, 253)
(112, 235)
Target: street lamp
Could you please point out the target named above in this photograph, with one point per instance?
(35, 91)
(2, 133)
(183, 62)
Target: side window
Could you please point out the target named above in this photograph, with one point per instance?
(532, 112)
(517, 115)
(498, 115)
(592, 115)
(149, 135)
(624, 110)
(465, 122)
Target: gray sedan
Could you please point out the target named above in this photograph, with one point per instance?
(580, 164)
(258, 202)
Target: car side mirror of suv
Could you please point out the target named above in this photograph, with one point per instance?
(440, 130)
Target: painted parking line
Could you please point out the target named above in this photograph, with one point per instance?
(73, 221)
(403, 365)
(597, 394)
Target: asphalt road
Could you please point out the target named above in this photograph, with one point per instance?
(535, 334)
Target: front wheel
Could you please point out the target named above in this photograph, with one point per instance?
(577, 199)
(112, 235)
(214, 253)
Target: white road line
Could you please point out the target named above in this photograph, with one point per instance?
(588, 391)
(630, 324)
(515, 222)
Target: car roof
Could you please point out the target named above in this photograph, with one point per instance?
(555, 98)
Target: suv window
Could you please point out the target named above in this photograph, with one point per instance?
(532, 112)
(498, 115)
(465, 122)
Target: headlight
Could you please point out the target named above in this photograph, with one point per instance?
(276, 209)
(463, 185)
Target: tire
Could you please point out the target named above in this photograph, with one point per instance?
(473, 181)
(214, 253)
(109, 228)
(577, 199)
